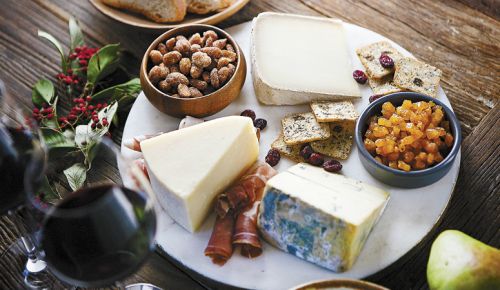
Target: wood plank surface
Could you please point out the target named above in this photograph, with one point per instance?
(460, 37)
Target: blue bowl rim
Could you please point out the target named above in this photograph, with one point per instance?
(449, 114)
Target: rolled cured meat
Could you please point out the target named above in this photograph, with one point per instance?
(220, 245)
(239, 203)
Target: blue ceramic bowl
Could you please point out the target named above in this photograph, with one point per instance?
(400, 178)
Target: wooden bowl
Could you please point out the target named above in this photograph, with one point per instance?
(201, 106)
(339, 284)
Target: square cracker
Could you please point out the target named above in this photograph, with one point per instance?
(369, 56)
(417, 76)
(290, 151)
(334, 111)
(339, 145)
(303, 128)
(384, 86)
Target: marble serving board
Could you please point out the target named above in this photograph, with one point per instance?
(408, 218)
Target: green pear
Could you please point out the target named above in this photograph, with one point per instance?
(458, 261)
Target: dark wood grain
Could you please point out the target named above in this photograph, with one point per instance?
(460, 37)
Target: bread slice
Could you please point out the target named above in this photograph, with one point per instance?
(303, 128)
(207, 6)
(384, 85)
(290, 151)
(339, 145)
(156, 10)
(334, 111)
(417, 76)
(369, 56)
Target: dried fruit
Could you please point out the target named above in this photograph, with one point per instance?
(374, 97)
(248, 113)
(386, 61)
(306, 151)
(316, 159)
(360, 76)
(260, 123)
(332, 166)
(273, 157)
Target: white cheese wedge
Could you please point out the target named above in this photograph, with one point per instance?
(189, 167)
(298, 59)
(320, 217)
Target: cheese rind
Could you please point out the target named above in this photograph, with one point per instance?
(297, 59)
(323, 218)
(189, 167)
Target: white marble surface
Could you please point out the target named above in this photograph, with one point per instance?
(409, 216)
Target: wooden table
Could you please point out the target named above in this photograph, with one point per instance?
(460, 37)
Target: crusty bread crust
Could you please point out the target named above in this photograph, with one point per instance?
(179, 8)
(207, 6)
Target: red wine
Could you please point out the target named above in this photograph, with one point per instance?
(98, 235)
(20, 155)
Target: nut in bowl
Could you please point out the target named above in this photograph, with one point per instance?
(407, 139)
(194, 70)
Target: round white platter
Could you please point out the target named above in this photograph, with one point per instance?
(409, 216)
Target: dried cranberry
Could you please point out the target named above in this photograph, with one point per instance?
(386, 61)
(248, 113)
(260, 123)
(273, 157)
(306, 151)
(359, 76)
(316, 159)
(374, 97)
(332, 166)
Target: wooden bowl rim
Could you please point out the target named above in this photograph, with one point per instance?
(172, 32)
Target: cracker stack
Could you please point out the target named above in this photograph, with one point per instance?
(329, 129)
(408, 74)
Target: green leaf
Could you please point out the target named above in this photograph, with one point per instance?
(103, 62)
(56, 139)
(43, 92)
(49, 193)
(76, 175)
(118, 92)
(53, 40)
(75, 33)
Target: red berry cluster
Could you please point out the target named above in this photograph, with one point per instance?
(69, 78)
(46, 112)
(83, 54)
(83, 112)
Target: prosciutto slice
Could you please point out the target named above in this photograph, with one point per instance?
(246, 234)
(244, 192)
(239, 204)
(220, 246)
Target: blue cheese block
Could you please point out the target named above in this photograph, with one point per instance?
(320, 217)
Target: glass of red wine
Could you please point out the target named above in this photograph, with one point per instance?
(103, 232)
(22, 158)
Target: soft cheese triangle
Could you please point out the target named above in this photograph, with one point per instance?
(297, 59)
(320, 217)
(189, 167)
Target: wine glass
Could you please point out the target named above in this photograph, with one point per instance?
(22, 157)
(103, 232)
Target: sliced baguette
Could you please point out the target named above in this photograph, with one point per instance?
(207, 6)
(156, 10)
